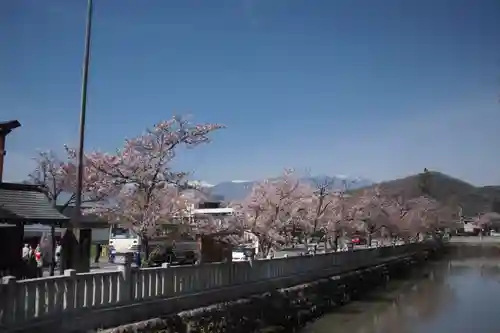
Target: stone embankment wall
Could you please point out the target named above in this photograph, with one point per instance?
(283, 310)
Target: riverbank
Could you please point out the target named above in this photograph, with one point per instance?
(284, 310)
(454, 294)
(370, 309)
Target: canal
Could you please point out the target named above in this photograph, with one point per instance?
(459, 293)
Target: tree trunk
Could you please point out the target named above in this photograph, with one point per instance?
(53, 241)
(336, 241)
(145, 247)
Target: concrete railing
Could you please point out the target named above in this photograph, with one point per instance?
(40, 299)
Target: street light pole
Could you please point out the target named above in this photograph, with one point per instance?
(83, 109)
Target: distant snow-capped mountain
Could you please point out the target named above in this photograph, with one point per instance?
(200, 183)
(239, 189)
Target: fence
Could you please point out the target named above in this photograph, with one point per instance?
(38, 299)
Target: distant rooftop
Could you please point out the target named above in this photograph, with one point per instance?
(86, 220)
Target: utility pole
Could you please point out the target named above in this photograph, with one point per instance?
(83, 110)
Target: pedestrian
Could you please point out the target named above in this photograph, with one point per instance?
(112, 255)
(58, 253)
(39, 261)
(26, 251)
(138, 259)
(31, 267)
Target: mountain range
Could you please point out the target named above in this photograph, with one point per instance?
(447, 190)
(239, 189)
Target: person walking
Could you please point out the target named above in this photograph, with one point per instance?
(39, 261)
(31, 264)
(58, 253)
(270, 254)
(138, 259)
(26, 252)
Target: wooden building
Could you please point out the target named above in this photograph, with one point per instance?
(22, 204)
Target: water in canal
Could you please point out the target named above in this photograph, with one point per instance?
(460, 293)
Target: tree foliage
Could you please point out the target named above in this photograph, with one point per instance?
(138, 187)
(271, 208)
(137, 184)
(276, 204)
(57, 177)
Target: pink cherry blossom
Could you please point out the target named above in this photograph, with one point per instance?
(336, 220)
(321, 206)
(58, 178)
(402, 218)
(271, 206)
(140, 187)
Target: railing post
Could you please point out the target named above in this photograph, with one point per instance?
(8, 301)
(124, 261)
(70, 292)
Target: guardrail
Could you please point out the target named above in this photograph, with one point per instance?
(40, 299)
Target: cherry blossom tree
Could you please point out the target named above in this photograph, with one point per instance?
(327, 209)
(322, 209)
(296, 225)
(270, 207)
(341, 213)
(57, 177)
(373, 211)
(421, 215)
(403, 218)
(437, 217)
(323, 199)
(139, 185)
(488, 220)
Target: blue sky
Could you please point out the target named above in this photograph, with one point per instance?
(379, 89)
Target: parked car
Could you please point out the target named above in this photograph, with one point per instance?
(242, 253)
(312, 248)
(358, 240)
(160, 254)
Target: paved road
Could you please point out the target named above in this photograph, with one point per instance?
(102, 266)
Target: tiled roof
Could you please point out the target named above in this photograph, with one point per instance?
(27, 203)
(6, 215)
(86, 219)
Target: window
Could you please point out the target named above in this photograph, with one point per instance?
(208, 205)
(119, 232)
